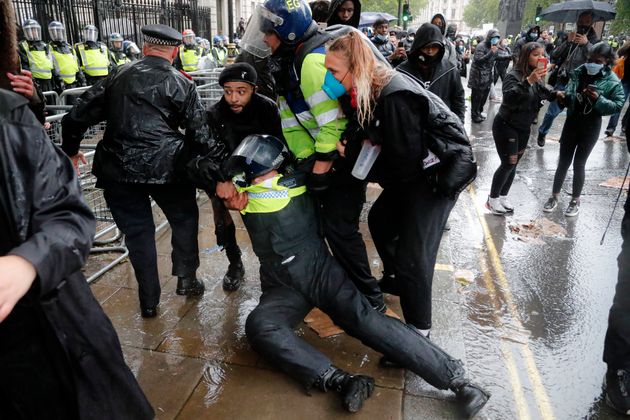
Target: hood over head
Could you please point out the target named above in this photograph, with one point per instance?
(443, 25)
(426, 34)
(492, 33)
(333, 19)
(532, 28)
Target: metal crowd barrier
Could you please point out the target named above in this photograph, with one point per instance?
(207, 82)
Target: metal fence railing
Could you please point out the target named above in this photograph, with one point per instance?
(207, 82)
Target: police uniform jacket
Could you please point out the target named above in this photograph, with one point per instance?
(50, 225)
(145, 103)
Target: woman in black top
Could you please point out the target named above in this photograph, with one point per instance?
(523, 90)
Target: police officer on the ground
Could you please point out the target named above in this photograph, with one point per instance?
(240, 112)
(139, 158)
(65, 59)
(35, 56)
(189, 53)
(218, 50)
(312, 124)
(428, 64)
(93, 56)
(298, 273)
(117, 56)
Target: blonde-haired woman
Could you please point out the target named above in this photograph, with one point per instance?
(408, 218)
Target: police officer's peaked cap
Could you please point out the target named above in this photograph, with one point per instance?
(161, 35)
(238, 72)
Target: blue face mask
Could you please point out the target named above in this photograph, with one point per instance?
(533, 36)
(593, 68)
(494, 41)
(382, 37)
(333, 87)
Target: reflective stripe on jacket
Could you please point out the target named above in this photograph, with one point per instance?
(94, 62)
(40, 62)
(67, 66)
(268, 196)
(189, 58)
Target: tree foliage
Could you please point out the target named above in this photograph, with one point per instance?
(391, 6)
(621, 23)
(478, 12)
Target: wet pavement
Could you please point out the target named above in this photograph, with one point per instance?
(526, 313)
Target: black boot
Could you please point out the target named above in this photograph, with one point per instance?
(354, 389)
(388, 285)
(234, 276)
(541, 140)
(189, 286)
(471, 397)
(617, 388)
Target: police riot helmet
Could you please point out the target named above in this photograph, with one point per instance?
(32, 30)
(57, 31)
(289, 19)
(116, 41)
(205, 44)
(257, 155)
(89, 33)
(130, 48)
(189, 38)
(217, 40)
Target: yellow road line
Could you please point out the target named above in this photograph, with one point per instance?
(540, 394)
(512, 370)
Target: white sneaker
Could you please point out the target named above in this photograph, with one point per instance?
(506, 204)
(495, 207)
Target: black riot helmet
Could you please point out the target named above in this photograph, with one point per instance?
(257, 155)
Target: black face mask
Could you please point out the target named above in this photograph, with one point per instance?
(428, 60)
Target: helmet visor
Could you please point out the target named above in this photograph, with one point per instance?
(256, 155)
(57, 34)
(262, 21)
(33, 33)
(117, 45)
(90, 34)
(133, 48)
(189, 39)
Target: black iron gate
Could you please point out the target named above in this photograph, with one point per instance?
(122, 16)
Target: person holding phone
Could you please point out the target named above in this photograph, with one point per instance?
(593, 91)
(523, 90)
(568, 56)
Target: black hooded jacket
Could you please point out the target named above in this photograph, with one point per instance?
(516, 51)
(449, 48)
(521, 100)
(145, 104)
(48, 223)
(333, 19)
(442, 78)
(480, 76)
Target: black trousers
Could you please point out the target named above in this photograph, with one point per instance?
(36, 378)
(578, 138)
(617, 342)
(314, 278)
(341, 206)
(131, 207)
(478, 100)
(224, 229)
(406, 223)
(511, 144)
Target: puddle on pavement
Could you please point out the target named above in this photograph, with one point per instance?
(213, 376)
(535, 230)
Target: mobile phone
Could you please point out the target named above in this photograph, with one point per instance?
(400, 44)
(542, 63)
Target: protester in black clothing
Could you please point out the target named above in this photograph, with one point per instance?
(523, 90)
(463, 56)
(532, 35)
(141, 157)
(481, 70)
(240, 112)
(59, 354)
(593, 91)
(344, 12)
(440, 21)
(617, 341)
(428, 64)
(395, 55)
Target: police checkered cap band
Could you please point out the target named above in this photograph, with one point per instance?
(159, 41)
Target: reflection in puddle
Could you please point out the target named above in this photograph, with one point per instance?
(213, 376)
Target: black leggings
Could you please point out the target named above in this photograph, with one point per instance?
(511, 144)
(579, 136)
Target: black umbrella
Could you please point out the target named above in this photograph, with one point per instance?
(569, 11)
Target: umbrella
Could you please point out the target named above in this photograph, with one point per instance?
(368, 18)
(569, 11)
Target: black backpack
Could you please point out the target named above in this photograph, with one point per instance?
(445, 136)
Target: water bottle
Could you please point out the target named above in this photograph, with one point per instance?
(367, 156)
